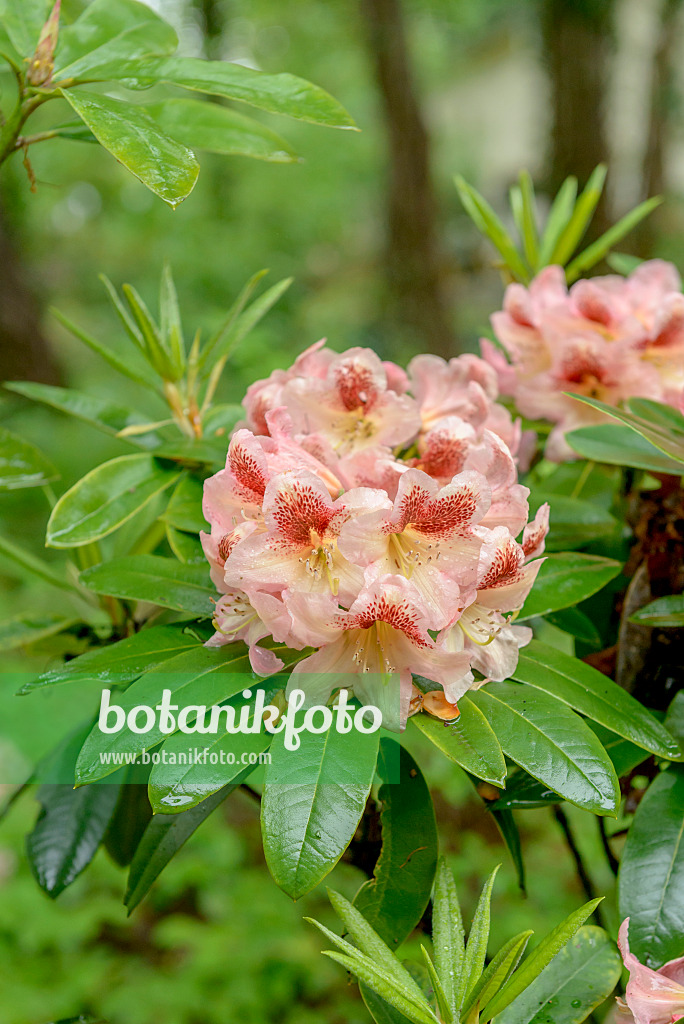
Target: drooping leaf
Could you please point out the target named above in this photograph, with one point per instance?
(161, 841)
(593, 694)
(394, 900)
(162, 581)
(165, 166)
(217, 129)
(651, 880)
(662, 613)
(572, 985)
(469, 741)
(119, 663)
(618, 445)
(537, 960)
(565, 580)
(552, 743)
(72, 822)
(106, 498)
(312, 804)
(507, 826)
(279, 94)
(106, 416)
(25, 629)
(131, 816)
(22, 464)
(111, 30)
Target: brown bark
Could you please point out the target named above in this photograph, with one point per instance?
(577, 42)
(415, 304)
(24, 351)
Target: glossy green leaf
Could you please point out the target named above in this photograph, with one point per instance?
(507, 826)
(625, 756)
(661, 613)
(71, 825)
(448, 936)
(23, 20)
(184, 510)
(674, 719)
(380, 1011)
(162, 581)
(165, 166)
(366, 972)
(394, 900)
(161, 841)
(106, 498)
(307, 825)
(572, 985)
(565, 580)
(178, 784)
(524, 793)
(537, 960)
(22, 464)
(593, 694)
(657, 414)
(552, 743)
(131, 816)
(647, 426)
(106, 416)
(119, 663)
(217, 129)
(25, 629)
(187, 547)
(478, 938)
(577, 624)
(619, 445)
(573, 522)
(204, 676)
(443, 1007)
(279, 94)
(111, 30)
(651, 881)
(469, 741)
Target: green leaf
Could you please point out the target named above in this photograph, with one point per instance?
(624, 755)
(217, 129)
(674, 719)
(307, 825)
(123, 366)
(527, 219)
(651, 880)
(497, 972)
(581, 216)
(566, 579)
(365, 972)
(394, 900)
(184, 510)
(131, 816)
(448, 937)
(71, 825)
(477, 207)
(445, 1014)
(506, 824)
(54, 574)
(478, 938)
(593, 694)
(162, 581)
(469, 741)
(170, 325)
(552, 743)
(524, 793)
(25, 629)
(205, 676)
(619, 445)
(111, 30)
(106, 498)
(649, 427)
(176, 786)
(245, 322)
(231, 317)
(594, 253)
(100, 413)
(657, 414)
(577, 624)
(573, 522)
(162, 840)
(279, 94)
(559, 215)
(22, 464)
(535, 963)
(623, 263)
(661, 613)
(187, 547)
(119, 663)
(572, 985)
(152, 343)
(165, 166)
(23, 20)
(380, 1011)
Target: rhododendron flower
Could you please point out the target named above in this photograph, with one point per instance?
(652, 997)
(375, 516)
(609, 338)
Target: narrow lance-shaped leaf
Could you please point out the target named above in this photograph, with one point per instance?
(581, 216)
(478, 938)
(448, 937)
(497, 972)
(594, 253)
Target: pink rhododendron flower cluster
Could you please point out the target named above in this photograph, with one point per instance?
(652, 997)
(609, 338)
(373, 515)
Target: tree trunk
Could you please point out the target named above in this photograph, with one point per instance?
(415, 306)
(577, 42)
